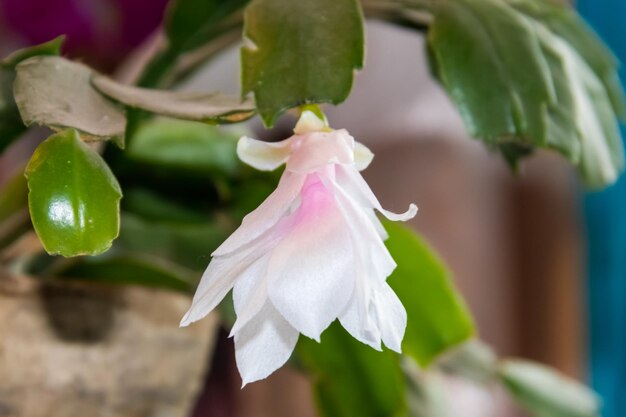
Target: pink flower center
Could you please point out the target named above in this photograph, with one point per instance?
(315, 201)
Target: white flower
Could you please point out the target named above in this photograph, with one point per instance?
(312, 252)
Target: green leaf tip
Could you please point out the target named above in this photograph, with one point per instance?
(545, 392)
(52, 47)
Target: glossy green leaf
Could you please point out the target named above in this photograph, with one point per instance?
(130, 270)
(187, 146)
(437, 316)
(545, 393)
(57, 93)
(352, 379)
(187, 105)
(299, 52)
(525, 77)
(73, 197)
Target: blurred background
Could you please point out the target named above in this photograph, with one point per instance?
(539, 262)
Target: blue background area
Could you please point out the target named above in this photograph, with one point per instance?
(605, 215)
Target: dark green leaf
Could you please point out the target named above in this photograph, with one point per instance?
(352, 379)
(463, 39)
(187, 105)
(437, 316)
(300, 52)
(130, 270)
(57, 93)
(545, 393)
(185, 146)
(52, 47)
(73, 197)
(529, 79)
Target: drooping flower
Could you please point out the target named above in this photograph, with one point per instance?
(312, 252)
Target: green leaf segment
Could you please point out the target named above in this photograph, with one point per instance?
(299, 52)
(527, 74)
(73, 197)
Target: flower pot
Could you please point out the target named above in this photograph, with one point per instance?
(77, 349)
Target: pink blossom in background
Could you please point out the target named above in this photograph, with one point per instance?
(101, 31)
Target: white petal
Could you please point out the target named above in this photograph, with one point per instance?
(222, 272)
(391, 317)
(214, 285)
(264, 156)
(312, 269)
(366, 236)
(373, 265)
(356, 318)
(264, 345)
(266, 215)
(362, 156)
(250, 293)
(350, 180)
(309, 122)
(382, 232)
(319, 149)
